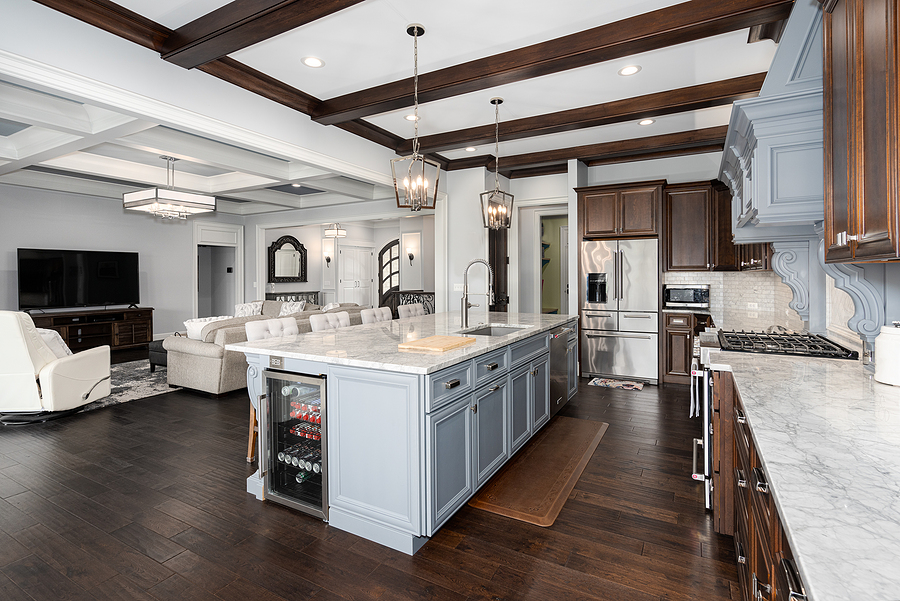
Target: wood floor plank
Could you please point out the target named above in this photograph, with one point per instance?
(42, 582)
(120, 588)
(72, 562)
(10, 592)
(11, 550)
(148, 542)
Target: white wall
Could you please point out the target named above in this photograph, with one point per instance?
(466, 235)
(34, 218)
(675, 170)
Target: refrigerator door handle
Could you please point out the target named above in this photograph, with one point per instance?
(619, 335)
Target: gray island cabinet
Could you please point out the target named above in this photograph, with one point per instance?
(411, 436)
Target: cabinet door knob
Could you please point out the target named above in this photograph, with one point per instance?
(474, 408)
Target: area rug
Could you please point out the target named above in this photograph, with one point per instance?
(623, 384)
(534, 485)
(131, 381)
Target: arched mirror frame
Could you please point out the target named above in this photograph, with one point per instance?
(277, 246)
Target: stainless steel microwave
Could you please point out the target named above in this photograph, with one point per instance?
(687, 296)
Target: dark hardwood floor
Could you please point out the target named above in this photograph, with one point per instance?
(146, 501)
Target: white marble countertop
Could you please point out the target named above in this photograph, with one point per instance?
(828, 436)
(374, 345)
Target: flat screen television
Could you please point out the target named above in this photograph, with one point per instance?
(55, 279)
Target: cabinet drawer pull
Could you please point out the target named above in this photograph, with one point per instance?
(739, 476)
(491, 366)
(637, 316)
(494, 388)
(475, 408)
(741, 418)
(741, 558)
(451, 384)
(534, 373)
(759, 477)
(795, 590)
(679, 321)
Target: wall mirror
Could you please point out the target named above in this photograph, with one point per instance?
(287, 261)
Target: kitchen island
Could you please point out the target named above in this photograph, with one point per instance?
(827, 437)
(412, 435)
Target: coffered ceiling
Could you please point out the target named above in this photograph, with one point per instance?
(556, 66)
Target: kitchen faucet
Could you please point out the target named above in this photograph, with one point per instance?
(464, 301)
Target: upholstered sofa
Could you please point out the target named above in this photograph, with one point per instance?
(206, 366)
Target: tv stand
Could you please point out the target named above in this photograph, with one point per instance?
(130, 328)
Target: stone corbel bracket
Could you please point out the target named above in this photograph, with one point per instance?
(868, 298)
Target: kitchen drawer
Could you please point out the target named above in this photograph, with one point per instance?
(528, 348)
(742, 438)
(632, 321)
(447, 384)
(742, 552)
(678, 320)
(139, 315)
(490, 365)
(599, 320)
(761, 502)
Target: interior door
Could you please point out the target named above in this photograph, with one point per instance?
(355, 268)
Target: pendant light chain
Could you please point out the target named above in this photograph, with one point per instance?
(497, 146)
(416, 91)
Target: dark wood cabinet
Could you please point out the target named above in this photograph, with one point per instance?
(754, 257)
(742, 502)
(687, 227)
(619, 211)
(679, 346)
(723, 252)
(862, 138)
(118, 328)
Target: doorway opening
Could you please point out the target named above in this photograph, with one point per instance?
(215, 280)
(554, 252)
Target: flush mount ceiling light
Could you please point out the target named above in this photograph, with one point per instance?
(335, 231)
(629, 70)
(411, 118)
(471, 149)
(496, 205)
(312, 61)
(415, 177)
(167, 202)
(646, 122)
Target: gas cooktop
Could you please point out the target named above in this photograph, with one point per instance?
(805, 345)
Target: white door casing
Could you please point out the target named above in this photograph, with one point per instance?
(564, 269)
(207, 233)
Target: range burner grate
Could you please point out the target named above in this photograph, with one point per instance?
(805, 345)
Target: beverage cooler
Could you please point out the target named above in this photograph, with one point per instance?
(295, 473)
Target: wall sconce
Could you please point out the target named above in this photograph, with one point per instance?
(411, 256)
(327, 260)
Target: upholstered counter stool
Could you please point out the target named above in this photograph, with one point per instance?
(157, 355)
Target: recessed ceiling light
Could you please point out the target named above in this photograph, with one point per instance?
(471, 149)
(296, 185)
(410, 117)
(312, 61)
(646, 122)
(629, 70)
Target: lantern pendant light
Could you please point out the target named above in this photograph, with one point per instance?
(415, 177)
(496, 205)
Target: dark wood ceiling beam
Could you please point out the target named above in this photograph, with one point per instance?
(114, 19)
(692, 98)
(677, 24)
(240, 24)
(239, 74)
(656, 154)
(710, 139)
(539, 171)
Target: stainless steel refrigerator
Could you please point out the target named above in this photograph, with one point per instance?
(620, 309)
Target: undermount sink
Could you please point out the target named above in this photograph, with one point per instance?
(493, 330)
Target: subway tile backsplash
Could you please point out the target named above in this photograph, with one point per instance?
(733, 294)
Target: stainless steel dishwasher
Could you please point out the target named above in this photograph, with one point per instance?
(559, 375)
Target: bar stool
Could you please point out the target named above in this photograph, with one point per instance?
(376, 315)
(260, 330)
(413, 310)
(329, 321)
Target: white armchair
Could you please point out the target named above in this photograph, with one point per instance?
(33, 379)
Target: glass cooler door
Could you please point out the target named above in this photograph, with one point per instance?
(295, 470)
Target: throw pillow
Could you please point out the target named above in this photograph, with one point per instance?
(195, 326)
(53, 340)
(330, 306)
(248, 309)
(289, 308)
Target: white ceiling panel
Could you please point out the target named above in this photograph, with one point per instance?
(367, 44)
(704, 61)
(668, 124)
(172, 13)
(114, 151)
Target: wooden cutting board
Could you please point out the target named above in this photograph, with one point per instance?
(436, 344)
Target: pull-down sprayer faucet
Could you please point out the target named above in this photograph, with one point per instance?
(464, 301)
